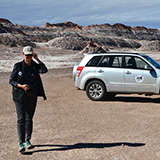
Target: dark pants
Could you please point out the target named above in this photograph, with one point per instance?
(25, 112)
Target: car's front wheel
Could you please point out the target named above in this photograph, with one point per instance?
(95, 90)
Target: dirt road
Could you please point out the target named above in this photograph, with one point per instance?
(69, 126)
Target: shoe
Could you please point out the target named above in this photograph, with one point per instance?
(21, 147)
(29, 145)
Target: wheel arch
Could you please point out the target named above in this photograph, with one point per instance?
(92, 79)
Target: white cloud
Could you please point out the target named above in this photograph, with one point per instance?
(84, 12)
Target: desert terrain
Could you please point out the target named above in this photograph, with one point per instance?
(70, 126)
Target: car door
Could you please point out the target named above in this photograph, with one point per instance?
(136, 78)
(111, 72)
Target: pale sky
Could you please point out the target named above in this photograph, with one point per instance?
(83, 12)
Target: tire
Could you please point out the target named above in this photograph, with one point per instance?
(96, 90)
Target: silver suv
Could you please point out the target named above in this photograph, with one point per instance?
(103, 75)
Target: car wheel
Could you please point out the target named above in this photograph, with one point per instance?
(95, 90)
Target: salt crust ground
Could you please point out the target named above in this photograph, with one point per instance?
(52, 57)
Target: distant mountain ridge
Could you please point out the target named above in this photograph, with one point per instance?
(118, 26)
(72, 36)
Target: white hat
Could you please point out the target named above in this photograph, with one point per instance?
(27, 50)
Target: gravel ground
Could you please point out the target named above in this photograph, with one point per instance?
(70, 126)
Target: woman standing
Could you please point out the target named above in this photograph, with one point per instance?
(27, 85)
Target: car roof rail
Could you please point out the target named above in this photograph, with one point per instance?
(114, 53)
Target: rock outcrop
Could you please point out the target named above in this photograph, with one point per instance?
(72, 36)
(3, 20)
(93, 47)
(73, 42)
(65, 25)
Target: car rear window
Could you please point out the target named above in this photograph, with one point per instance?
(94, 61)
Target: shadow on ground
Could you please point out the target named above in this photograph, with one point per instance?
(81, 146)
(134, 99)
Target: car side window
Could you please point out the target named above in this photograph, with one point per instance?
(117, 62)
(111, 61)
(104, 62)
(140, 63)
(134, 62)
(130, 62)
(94, 61)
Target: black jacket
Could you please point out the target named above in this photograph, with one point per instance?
(18, 76)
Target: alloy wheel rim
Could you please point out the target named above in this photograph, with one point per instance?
(95, 90)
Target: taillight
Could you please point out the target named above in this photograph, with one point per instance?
(79, 71)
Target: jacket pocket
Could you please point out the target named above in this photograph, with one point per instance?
(17, 94)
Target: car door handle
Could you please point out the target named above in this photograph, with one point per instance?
(128, 72)
(100, 71)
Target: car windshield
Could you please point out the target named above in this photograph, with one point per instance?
(152, 61)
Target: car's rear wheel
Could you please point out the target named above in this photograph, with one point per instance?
(96, 90)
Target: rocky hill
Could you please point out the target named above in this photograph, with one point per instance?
(72, 36)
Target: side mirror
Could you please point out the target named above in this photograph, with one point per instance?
(147, 67)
